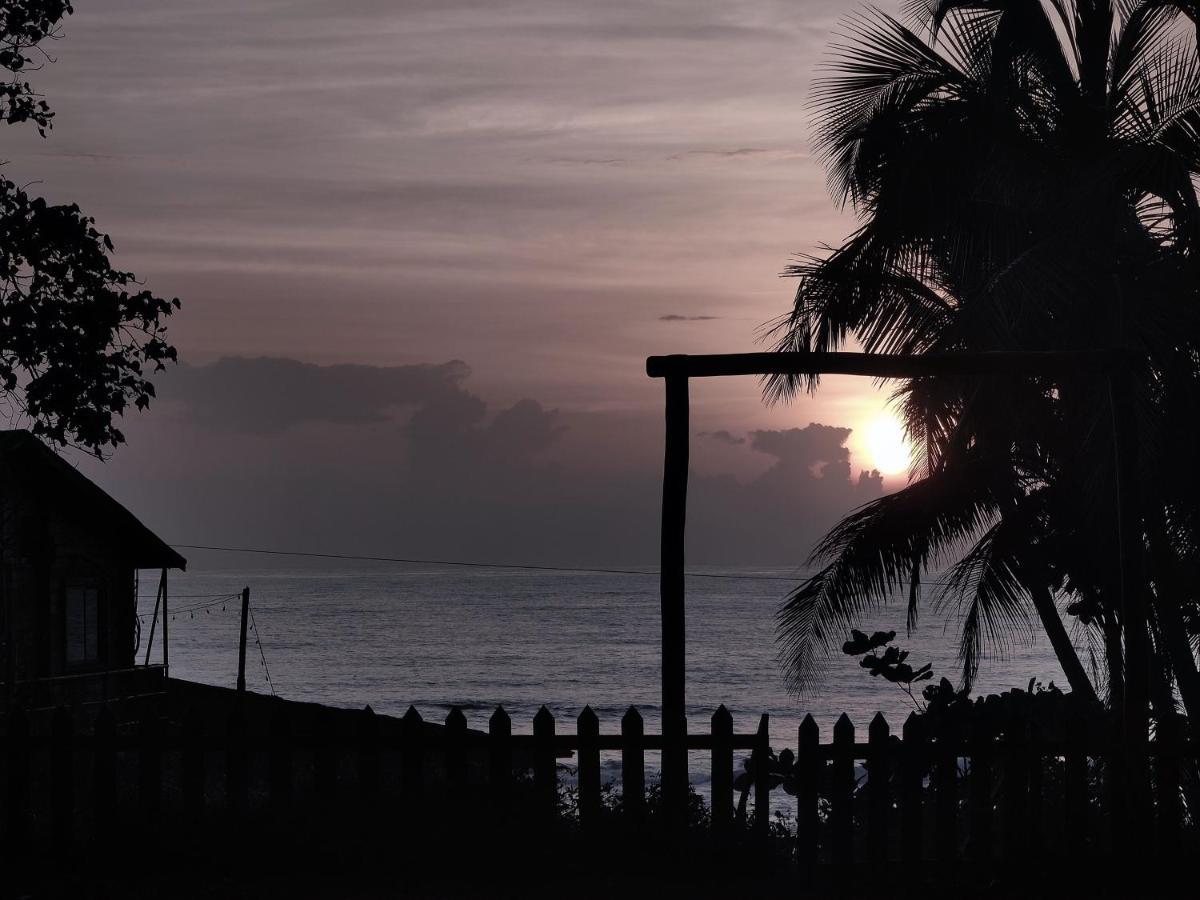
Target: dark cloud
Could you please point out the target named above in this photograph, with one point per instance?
(675, 317)
(408, 460)
(271, 395)
(724, 437)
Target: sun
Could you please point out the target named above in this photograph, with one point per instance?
(885, 441)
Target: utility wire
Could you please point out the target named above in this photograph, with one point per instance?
(481, 565)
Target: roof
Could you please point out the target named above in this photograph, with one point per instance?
(65, 487)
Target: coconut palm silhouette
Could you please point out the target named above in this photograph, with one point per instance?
(1023, 176)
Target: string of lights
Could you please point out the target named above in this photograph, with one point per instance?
(261, 653)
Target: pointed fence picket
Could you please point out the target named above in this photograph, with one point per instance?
(926, 797)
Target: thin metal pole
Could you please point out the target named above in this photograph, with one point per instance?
(166, 618)
(241, 676)
(671, 586)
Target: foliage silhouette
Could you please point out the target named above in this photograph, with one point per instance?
(1023, 173)
(77, 337)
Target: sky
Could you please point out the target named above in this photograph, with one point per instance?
(423, 249)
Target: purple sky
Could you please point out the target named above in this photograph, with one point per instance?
(545, 191)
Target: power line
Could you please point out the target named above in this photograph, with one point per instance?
(482, 565)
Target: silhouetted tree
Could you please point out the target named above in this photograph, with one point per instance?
(77, 336)
(1024, 177)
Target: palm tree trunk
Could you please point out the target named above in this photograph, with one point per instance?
(1043, 602)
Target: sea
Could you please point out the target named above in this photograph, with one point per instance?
(435, 637)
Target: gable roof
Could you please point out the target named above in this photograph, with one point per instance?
(65, 487)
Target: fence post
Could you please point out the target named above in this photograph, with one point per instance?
(104, 777)
(808, 776)
(17, 817)
(325, 760)
(633, 765)
(545, 772)
(1015, 783)
(879, 799)
(62, 778)
(1166, 778)
(412, 765)
(913, 764)
(588, 732)
(1075, 791)
(841, 812)
(193, 766)
(236, 766)
(760, 765)
(500, 763)
(945, 777)
(150, 739)
(721, 779)
(368, 773)
(981, 790)
(456, 761)
(281, 761)
(1034, 806)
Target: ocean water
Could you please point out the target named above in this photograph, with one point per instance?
(436, 637)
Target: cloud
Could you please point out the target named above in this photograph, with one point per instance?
(724, 437)
(409, 460)
(272, 395)
(675, 317)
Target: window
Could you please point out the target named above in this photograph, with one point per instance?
(83, 625)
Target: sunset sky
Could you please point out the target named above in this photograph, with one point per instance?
(457, 229)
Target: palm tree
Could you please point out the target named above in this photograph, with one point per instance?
(1024, 177)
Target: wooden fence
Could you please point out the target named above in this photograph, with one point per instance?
(917, 797)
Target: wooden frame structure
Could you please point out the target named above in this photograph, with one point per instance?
(677, 370)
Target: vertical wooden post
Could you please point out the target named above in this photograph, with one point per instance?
(1034, 781)
(281, 761)
(545, 774)
(588, 731)
(456, 761)
(17, 819)
(325, 762)
(721, 778)
(981, 791)
(193, 765)
(633, 765)
(412, 763)
(150, 739)
(153, 622)
(1075, 786)
(671, 589)
(761, 766)
(912, 772)
(1014, 800)
(945, 781)
(500, 762)
(841, 812)
(104, 777)
(236, 765)
(62, 778)
(808, 777)
(368, 772)
(166, 620)
(879, 797)
(241, 675)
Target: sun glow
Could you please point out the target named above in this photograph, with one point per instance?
(885, 441)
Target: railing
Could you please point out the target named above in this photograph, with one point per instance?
(88, 687)
(925, 798)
